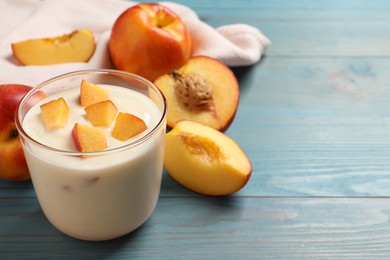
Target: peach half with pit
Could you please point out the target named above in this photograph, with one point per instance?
(205, 160)
(204, 90)
(77, 46)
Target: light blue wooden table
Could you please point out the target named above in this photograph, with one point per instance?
(314, 118)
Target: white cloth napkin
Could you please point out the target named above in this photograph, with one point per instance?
(235, 44)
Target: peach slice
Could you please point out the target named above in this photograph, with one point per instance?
(101, 113)
(127, 126)
(88, 138)
(204, 90)
(77, 46)
(55, 113)
(205, 160)
(91, 93)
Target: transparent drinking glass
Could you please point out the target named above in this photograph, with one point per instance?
(96, 195)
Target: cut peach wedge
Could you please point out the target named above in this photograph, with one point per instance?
(203, 90)
(127, 126)
(205, 160)
(88, 138)
(91, 93)
(77, 46)
(55, 113)
(102, 113)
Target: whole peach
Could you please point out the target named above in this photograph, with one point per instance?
(13, 164)
(149, 40)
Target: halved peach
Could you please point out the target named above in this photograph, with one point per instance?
(55, 113)
(127, 126)
(88, 138)
(204, 90)
(77, 46)
(91, 93)
(101, 113)
(205, 160)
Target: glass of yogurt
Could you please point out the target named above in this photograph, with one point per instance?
(95, 195)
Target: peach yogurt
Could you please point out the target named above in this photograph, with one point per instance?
(95, 195)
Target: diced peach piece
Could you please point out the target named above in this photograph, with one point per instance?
(91, 93)
(101, 113)
(55, 113)
(127, 126)
(205, 160)
(88, 138)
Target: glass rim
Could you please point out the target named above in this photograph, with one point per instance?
(127, 146)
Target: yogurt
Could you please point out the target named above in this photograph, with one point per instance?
(124, 99)
(105, 194)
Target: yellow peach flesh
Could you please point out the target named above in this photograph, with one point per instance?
(91, 93)
(205, 160)
(127, 126)
(88, 138)
(102, 113)
(54, 113)
(225, 92)
(77, 46)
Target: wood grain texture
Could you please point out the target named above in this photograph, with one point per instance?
(313, 118)
(249, 228)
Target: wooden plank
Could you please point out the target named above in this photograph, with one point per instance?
(253, 228)
(320, 38)
(308, 28)
(313, 118)
(320, 128)
(291, 11)
(286, 5)
(312, 126)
